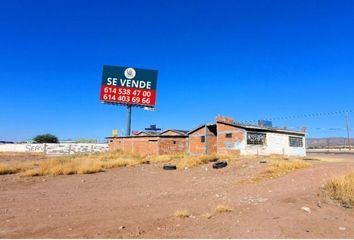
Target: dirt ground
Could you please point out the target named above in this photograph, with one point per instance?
(140, 202)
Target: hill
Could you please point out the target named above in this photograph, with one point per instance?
(328, 142)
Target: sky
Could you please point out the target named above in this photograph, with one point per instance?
(248, 60)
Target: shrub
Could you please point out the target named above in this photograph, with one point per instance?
(45, 138)
(341, 188)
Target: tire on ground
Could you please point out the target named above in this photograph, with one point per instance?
(169, 167)
(219, 164)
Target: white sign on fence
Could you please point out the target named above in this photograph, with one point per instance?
(55, 148)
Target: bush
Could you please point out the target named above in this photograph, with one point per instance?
(45, 138)
(341, 188)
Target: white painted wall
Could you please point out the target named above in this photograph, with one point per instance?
(55, 148)
(276, 143)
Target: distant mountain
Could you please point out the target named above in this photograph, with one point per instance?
(325, 142)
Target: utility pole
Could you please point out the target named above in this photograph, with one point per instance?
(129, 121)
(348, 130)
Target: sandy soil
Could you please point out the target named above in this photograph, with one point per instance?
(140, 202)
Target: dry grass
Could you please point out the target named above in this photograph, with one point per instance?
(223, 209)
(341, 188)
(93, 163)
(13, 167)
(278, 168)
(9, 168)
(99, 162)
(182, 214)
(84, 164)
(193, 161)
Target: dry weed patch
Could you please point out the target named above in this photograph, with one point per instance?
(278, 168)
(99, 162)
(13, 167)
(83, 164)
(182, 214)
(223, 209)
(341, 188)
(9, 168)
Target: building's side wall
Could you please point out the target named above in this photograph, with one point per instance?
(197, 147)
(297, 151)
(276, 143)
(195, 144)
(172, 145)
(211, 142)
(231, 144)
(138, 145)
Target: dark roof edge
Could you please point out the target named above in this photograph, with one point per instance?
(200, 126)
(182, 132)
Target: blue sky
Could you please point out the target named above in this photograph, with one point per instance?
(246, 59)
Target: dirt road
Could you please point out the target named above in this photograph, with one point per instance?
(140, 202)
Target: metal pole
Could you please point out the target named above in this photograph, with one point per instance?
(348, 134)
(129, 121)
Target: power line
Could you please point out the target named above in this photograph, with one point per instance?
(307, 115)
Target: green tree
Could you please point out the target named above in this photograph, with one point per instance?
(45, 138)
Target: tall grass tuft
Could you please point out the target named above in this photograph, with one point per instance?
(9, 168)
(278, 168)
(341, 188)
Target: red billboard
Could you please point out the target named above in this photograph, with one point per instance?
(128, 86)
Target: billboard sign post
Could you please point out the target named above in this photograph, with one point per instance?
(129, 87)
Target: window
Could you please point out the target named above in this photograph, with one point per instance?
(228, 135)
(256, 138)
(295, 142)
(202, 139)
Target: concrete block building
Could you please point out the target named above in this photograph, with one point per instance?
(228, 137)
(224, 136)
(167, 142)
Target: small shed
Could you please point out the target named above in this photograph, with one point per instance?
(170, 141)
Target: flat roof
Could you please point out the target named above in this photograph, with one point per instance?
(250, 127)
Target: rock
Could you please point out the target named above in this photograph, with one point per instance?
(319, 204)
(121, 227)
(70, 229)
(82, 180)
(263, 161)
(342, 228)
(306, 209)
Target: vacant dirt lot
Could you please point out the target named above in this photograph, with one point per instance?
(140, 202)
